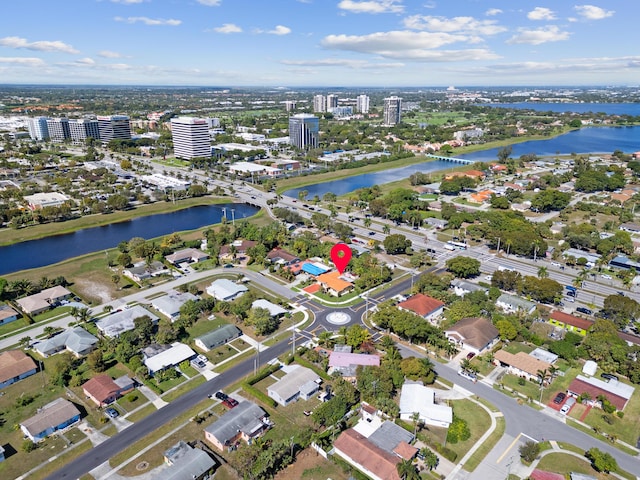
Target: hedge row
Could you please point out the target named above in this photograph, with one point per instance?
(266, 399)
(264, 373)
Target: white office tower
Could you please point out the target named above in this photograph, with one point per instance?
(332, 102)
(392, 110)
(58, 129)
(362, 104)
(290, 105)
(38, 128)
(319, 103)
(190, 137)
(113, 126)
(303, 130)
(83, 128)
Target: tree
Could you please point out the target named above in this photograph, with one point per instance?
(407, 471)
(96, 362)
(356, 335)
(115, 279)
(431, 460)
(49, 331)
(602, 461)
(396, 243)
(463, 267)
(506, 330)
(529, 451)
(543, 272)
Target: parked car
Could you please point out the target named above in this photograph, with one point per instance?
(470, 355)
(230, 402)
(569, 299)
(112, 412)
(567, 406)
(559, 398)
(467, 375)
(585, 310)
(221, 396)
(609, 376)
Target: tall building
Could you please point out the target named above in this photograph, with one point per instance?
(58, 129)
(303, 130)
(319, 103)
(392, 110)
(83, 128)
(362, 104)
(190, 137)
(38, 128)
(290, 105)
(114, 126)
(332, 102)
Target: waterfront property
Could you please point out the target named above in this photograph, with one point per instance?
(245, 421)
(54, 416)
(44, 300)
(14, 366)
(75, 340)
(299, 382)
(217, 337)
(187, 255)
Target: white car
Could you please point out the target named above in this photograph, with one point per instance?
(608, 277)
(567, 406)
(555, 264)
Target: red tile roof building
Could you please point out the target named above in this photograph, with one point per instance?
(367, 457)
(423, 305)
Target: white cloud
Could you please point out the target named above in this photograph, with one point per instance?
(228, 28)
(149, 21)
(538, 36)
(23, 61)
(407, 45)
(109, 54)
(128, 2)
(541, 13)
(371, 6)
(341, 62)
(210, 3)
(280, 30)
(591, 12)
(41, 46)
(492, 12)
(86, 61)
(466, 25)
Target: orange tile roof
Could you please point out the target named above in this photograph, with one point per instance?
(362, 452)
(100, 387)
(421, 304)
(522, 361)
(405, 450)
(567, 319)
(333, 281)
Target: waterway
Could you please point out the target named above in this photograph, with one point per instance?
(585, 140)
(49, 250)
(607, 108)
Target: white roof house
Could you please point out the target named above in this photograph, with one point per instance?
(116, 323)
(274, 310)
(416, 398)
(169, 304)
(225, 290)
(301, 382)
(179, 352)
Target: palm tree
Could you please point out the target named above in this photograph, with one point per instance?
(415, 418)
(543, 273)
(407, 471)
(367, 222)
(84, 315)
(543, 376)
(325, 337)
(386, 229)
(49, 331)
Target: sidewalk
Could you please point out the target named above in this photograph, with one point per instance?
(152, 396)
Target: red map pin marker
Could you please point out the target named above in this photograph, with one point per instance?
(340, 256)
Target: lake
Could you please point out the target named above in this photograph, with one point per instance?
(49, 250)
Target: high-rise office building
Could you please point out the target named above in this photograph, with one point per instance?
(319, 103)
(392, 110)
(58, 129)
(290, 105)
(303, 130)
(38, 128)
(114, 126)
(332, 102)
(362, 103)
(83, 128)
(190, 137)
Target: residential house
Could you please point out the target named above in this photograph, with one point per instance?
(225, 290)
(570, 323)
(170, 357)
(473, 174)
(54, 416)
(513, 304)
(1, 453)
(416, 398)
(424, 306)
(14, 366)
(7, 314)
(75, 340)
(521, 364)
(436, 222)
(618, 393)
(120, 321)
(300, 382)
(274, 310)
(187, 255)
(187, 463)
(43, 301)
(393, 439)
(590, 258)
(103, 390)
(370, 459)
(217, 337)
(630, 227)
(245, 421)
(169, 304)
(544, 355)
(477, 335)
(346, 363)
(142, 271)
(335, 284)
(236, 250)
(280, 256)
(481, 196)
(622, 261)
(462, 287)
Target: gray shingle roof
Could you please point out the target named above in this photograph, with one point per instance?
(245, 417)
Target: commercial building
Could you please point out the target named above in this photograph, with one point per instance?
(392, 114)
(83, 128)
(14, 366)
(165, 182)
(58, 129)
(362, 103)
(190, 138)
(54, 416)
(332, 102)
(319, 103)
(41, 200)
(38, 128)
(304, 131)
(114, 127)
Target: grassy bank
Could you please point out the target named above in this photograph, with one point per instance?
(10, 236)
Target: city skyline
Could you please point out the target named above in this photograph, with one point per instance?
(377, 43)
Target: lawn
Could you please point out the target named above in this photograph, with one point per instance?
(515, 347)
(486, 447)
(240, 344)
(131, 401)
(9, 328)
(478, 421)
(166, 385)
(142, 413)
(204, 325)
(529, 389)
(565, 464)
(221, 353)
(182, 389)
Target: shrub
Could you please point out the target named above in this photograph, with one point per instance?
(529, 451)
(28, 446)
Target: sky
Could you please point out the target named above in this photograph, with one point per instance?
(288, 43)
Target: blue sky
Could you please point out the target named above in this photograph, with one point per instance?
(320, 42)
